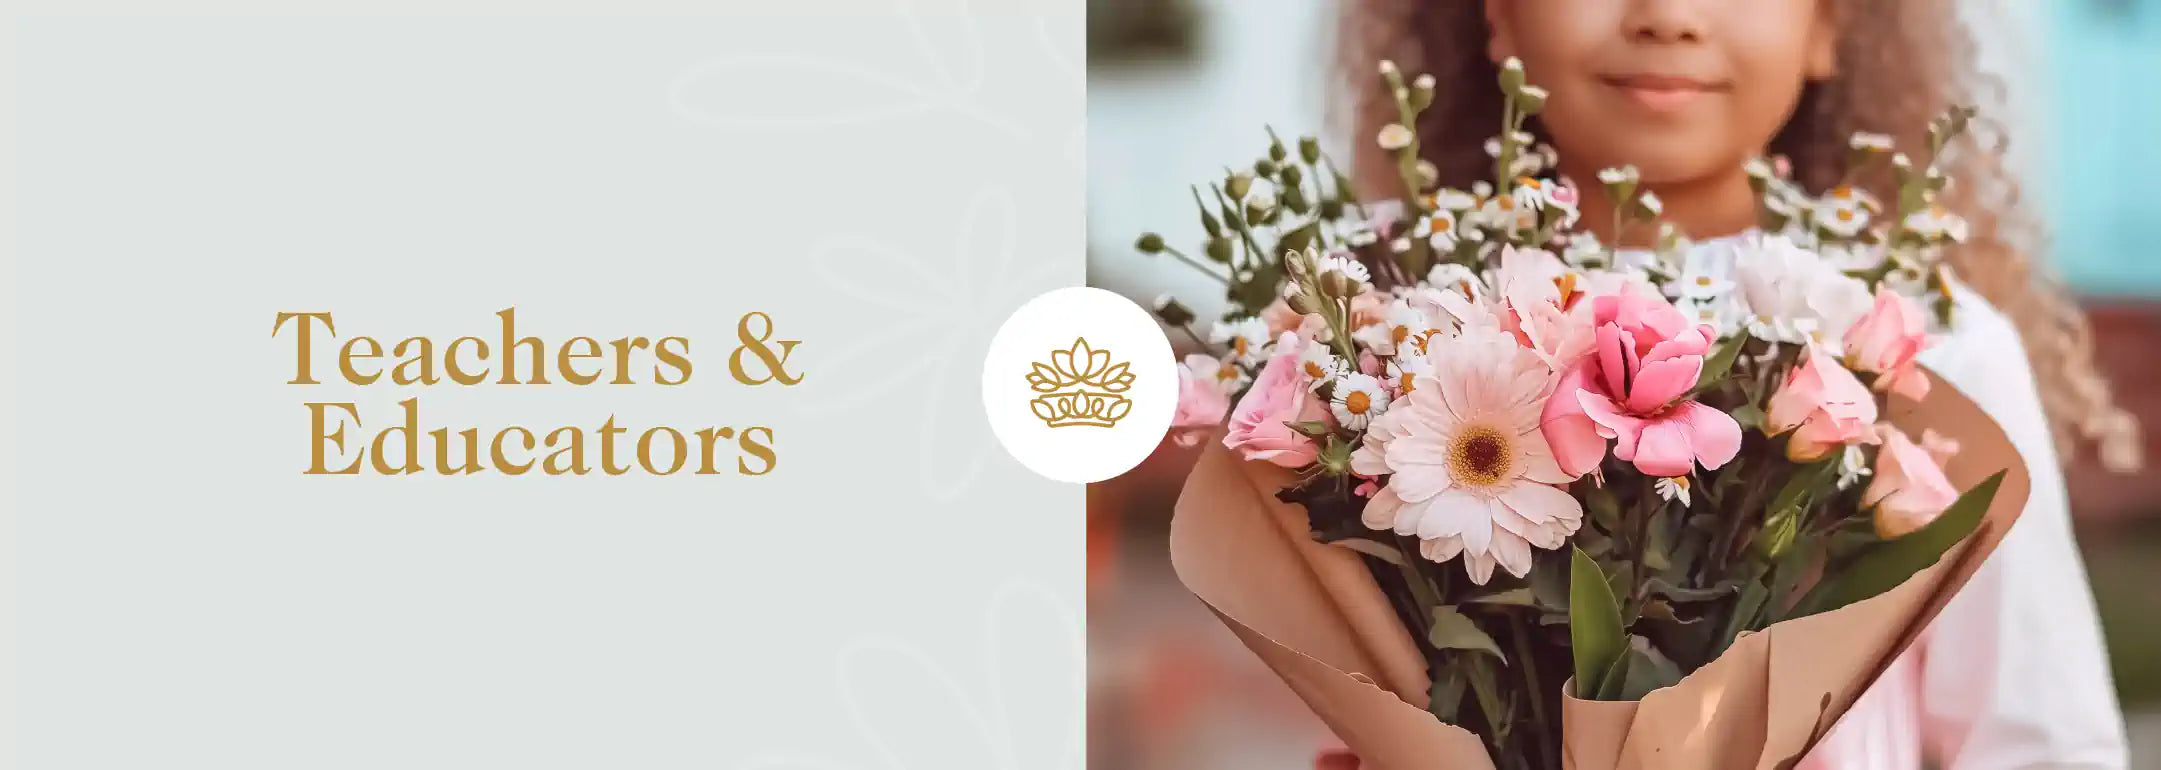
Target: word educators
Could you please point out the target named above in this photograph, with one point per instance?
(340, 440)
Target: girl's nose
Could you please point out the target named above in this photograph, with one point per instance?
(1664, 21)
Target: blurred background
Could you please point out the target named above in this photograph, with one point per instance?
(1177, 88)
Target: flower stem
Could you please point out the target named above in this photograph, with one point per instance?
(1540, 728)
(1196, 264)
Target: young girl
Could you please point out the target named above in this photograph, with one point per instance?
(2012, 674)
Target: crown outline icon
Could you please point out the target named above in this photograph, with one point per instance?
(1080, 387)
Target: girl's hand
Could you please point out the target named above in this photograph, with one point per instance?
(1336, 759)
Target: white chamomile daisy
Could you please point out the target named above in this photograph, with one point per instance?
(1673, 488)
(1451, 200)
(1245, 338)
(1622, 175)
(1358, 398)
(1319, 365)
(1404, 371)
(1583, 248)
(1453, 277)
(1394, 137)
(1845, 211)
(1439, 230)
(1852, 465)
(1350, 268)
(1757, 168)
(1936, 223)
(1650, 202)
(1870, 142)
(1529, 193)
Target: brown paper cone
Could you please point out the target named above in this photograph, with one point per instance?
(1761, 705)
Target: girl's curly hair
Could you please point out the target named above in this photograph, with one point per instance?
(1901, 64)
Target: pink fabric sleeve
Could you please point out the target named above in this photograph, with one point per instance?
(2013, 674)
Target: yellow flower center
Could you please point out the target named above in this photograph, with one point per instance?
(1228, 372)
(1399, 334)
(1506, 204)
(1842, 192)
(1357, 402)
(1845, 215)
(1238, 346)
(1313, 370)
(1403, 382)
(1480, 456)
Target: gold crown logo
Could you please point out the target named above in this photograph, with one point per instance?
(1080, 386)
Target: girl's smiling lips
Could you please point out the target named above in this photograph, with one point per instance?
(1664, 93)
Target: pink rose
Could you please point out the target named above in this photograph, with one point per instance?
(1202, 401)
(1824, 405)
(1909, 489)
(1260, 427)
(1629, 387)
(1886, 341)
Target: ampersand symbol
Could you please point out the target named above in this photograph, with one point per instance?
(754, 343)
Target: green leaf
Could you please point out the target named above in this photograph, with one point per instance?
(1749, 416)
(1310, 428)
(1453, 630)
(1616, 678)
(1647, 669)
(1659, 587)
(1446, 695)
(1594, 625)
(1605, 509)
(1745, 608)
(1883, 566)
(1375, 549)
(1809, 478)
(1515, 597)
(1721, 362)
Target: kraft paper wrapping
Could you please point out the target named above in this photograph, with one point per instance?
(1312, 613)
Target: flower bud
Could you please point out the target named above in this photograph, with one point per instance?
(1336, 285)
(1236, 185)
(1149, 243)
(1275, 150)
(1264, 168)
(1301, 304)
(1421, 93)
(1530, 99)
(1172, 311)
(1309, 149)
(1295, 199)
(1394, 137)
(1428, 174)
(1331, 209)
(1219, 249)
(1291, 176)
(1511, 76)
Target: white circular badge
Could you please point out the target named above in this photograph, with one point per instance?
(1080, 384)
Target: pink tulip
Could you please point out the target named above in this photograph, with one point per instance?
(1909, 489)
(1824, 405)
(1202, 401)
(1886, 341)
(1630, 387)
(1260, 427)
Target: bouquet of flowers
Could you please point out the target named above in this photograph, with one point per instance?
(1497, 493)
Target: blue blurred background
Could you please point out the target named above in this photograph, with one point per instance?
(1177, 89)
(2104, 63)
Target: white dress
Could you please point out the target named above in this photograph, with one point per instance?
(2013, 674)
